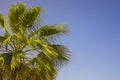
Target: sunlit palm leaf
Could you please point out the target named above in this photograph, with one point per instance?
(14, 13)
(16, 59)
(29, 16)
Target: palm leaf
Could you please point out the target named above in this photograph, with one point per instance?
(29, 16)
(46, 31)
(63, 55)
(7, 57)
(16, 59)
(2, 23)
(9, 39)
(45, 68)
(14, 13)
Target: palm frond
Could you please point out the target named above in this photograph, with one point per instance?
(7, 57)
(2, 23)
(63, 55)
(45, 68)
(9, 39)
(16, 59)
(46, 31)
(14, 14)
(29, 16)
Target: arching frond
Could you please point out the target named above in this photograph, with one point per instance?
(14, 14)
(29, 16)
(48, 51)
(46, 31)
(63, 55)
(7, 57)
(2, 24)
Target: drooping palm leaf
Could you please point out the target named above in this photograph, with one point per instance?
(45, 31)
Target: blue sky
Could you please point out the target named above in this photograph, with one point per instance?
(93, 39)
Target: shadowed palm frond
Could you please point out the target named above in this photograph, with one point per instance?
(2, 38)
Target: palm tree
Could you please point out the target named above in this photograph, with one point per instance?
(27, 49)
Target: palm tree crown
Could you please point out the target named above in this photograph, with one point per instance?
(27, 49)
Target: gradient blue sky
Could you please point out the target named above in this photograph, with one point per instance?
(94, 37)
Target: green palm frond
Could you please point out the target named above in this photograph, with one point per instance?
(45, 68)
(9, 39)
(29, 16)
(16, 59)
(2, 23)
(7, 57)
(47, 50)
(51, 30)
(63, 55)
(14, 14)
(46, 31)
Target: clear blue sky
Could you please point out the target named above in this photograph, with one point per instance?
(94, 37)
